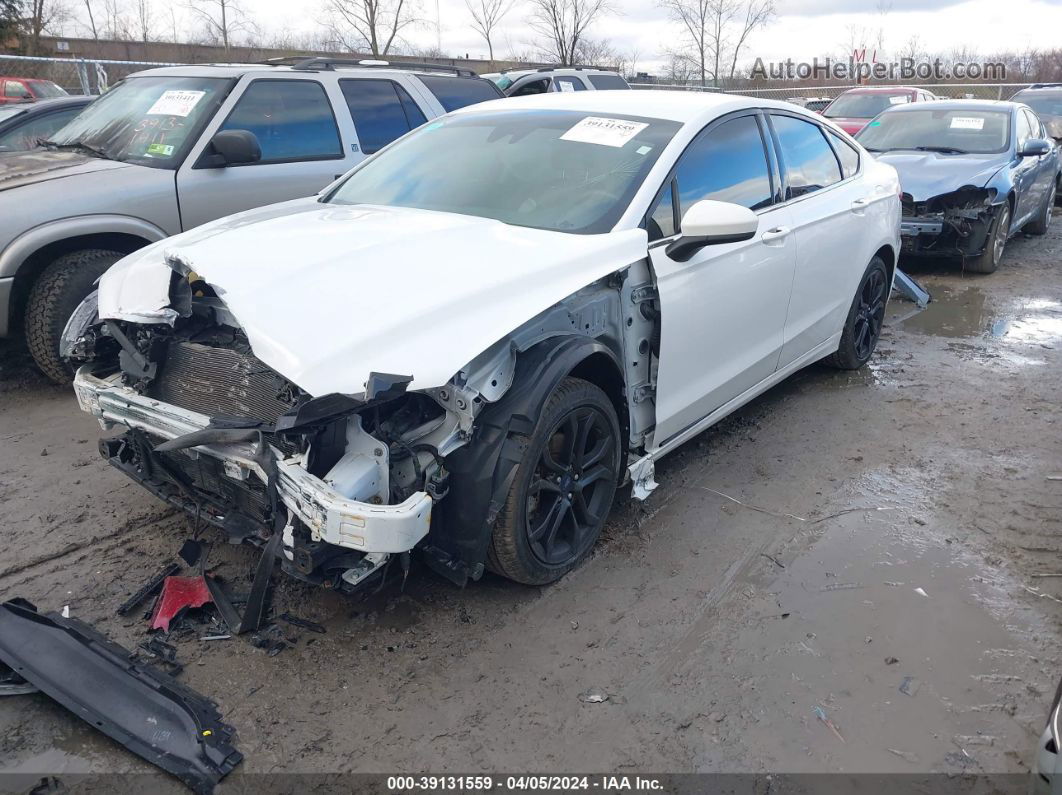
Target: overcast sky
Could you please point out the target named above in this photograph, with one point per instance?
(802, 30)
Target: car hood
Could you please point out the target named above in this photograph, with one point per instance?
(42, 165)
(329, 293)
(924, 175)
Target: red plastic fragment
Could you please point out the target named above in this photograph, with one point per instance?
(177, 594)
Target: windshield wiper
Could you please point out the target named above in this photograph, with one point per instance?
(944, 150)
(82, 146)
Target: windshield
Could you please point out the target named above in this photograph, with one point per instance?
(146, 120)
(979, 132)
(863, 106)
(1045, 105)
(46, 89)
(565, 171)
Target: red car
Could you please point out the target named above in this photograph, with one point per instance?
(27, 89)
(854, 108)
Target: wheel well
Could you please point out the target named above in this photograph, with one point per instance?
(888, 256)
(599, 369)
(41, 258)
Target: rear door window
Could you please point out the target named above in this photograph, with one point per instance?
(568, 84)
(608, 82)
(847, 154)
(457, 92)
(809, 160)
(292, 120)
(381, 110)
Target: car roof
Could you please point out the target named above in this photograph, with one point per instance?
(58, 102)
(880, 90)
(955, 104)
(680, 106)
(258, 69)
(1055, 89)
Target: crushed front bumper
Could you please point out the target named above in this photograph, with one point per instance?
(329, 515)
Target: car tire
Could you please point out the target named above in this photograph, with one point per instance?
(988, 260)
(54, 297)
(562, 490)
(1043, 221)
(862, 327)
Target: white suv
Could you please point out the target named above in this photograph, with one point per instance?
(524, 82)
(469, 342)
(168, 149)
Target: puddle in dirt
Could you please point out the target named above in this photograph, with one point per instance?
(921, 656)
(969, 313)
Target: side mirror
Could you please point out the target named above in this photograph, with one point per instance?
(1035, 147)
(231, 148)
(709, 223)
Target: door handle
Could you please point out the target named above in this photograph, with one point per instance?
(778, 233)
(859, 206)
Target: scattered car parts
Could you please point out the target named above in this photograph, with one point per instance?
(147, 711)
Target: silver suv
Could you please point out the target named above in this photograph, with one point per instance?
(521, 82)
(168, 149)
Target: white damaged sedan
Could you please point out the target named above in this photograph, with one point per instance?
(466, 344)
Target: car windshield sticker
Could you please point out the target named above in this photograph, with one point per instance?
(163, 150)
(967, 123)
(175, 103)
(565, 86)
(604, 132)
(644, 150)
(900, 100)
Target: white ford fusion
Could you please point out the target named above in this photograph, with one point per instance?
(465, 345)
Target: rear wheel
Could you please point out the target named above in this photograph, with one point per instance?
(866, 316)
(988, 260)
(54, 297)
(1043, 220)
(563, 488)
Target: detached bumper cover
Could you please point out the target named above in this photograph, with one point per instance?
(147, 711)
(329, 515)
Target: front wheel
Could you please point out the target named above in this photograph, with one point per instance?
(988, 260)
(866, 316)
(563, 488)
(58, 291)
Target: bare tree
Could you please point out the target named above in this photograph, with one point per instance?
(222, 18)
(371, 25)
(486, 15)
(144, 20)
(563, 24)
(757, 14)
(716, 31)
(40, 17)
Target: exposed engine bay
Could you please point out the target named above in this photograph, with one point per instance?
(957, 223)
(348, 480)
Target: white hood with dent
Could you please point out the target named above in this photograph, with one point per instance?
(329, 293)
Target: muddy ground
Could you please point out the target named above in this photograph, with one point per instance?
(716, 624)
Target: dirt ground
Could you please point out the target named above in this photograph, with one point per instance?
(776, 570)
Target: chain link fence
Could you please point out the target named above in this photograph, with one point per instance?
(75, 75)
(819, 94)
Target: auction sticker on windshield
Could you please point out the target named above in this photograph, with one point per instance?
(967, 123)
(605, 132)
(175, 103)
